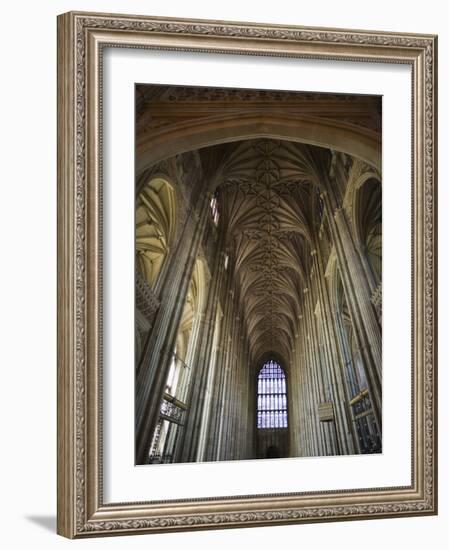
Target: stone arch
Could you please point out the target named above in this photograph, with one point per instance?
(277, 358)
(272, 408)
(359, 174)
(155, 227)
(348, 138)
(193, 308)
(272, 452)
(188, 329)
(367, 218)
(267, 356)
(347, 342)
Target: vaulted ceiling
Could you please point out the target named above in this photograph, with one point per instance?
(269, 202)
(268, 189)
(176, 119)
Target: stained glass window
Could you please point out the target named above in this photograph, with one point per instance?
(271, 397)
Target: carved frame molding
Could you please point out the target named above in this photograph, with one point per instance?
(81, 37)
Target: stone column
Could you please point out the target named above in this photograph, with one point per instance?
(154, 367)
(313, 367)
(293, 401)
(228, 386)
(358, 296)
(244, 431)
(335, 372)
(213, 440)
(310, 432)
(232, 436)
(201, 365)
(304, 393)
(251, 408)
(301, 392)
(227, 442)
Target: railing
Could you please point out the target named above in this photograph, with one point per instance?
(158, 458)
(172, 409)
(358, 397)
(369, 438)
(361, 404)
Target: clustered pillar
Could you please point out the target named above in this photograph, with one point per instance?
(154, 366)
(323, 399)
(326, 404)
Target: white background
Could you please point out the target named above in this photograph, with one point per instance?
(122, 481)
(28, 274)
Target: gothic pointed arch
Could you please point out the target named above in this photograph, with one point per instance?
(193, 307)
(360, 402)
(266, 342)
(368, 224)
(187, 136)
(169, 428)
(155, 227)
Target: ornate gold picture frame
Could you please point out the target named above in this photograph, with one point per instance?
(82, 41)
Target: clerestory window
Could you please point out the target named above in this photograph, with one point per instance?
(214, 208)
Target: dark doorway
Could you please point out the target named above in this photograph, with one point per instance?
(272, 452)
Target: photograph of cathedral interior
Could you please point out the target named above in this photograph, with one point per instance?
(258, 278)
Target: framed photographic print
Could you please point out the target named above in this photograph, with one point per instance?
(247, 274)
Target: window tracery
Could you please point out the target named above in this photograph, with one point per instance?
(271, 397)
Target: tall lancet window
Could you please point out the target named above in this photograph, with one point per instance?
(271, 397)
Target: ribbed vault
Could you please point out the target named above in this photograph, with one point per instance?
(268, 193)
(259, 236)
